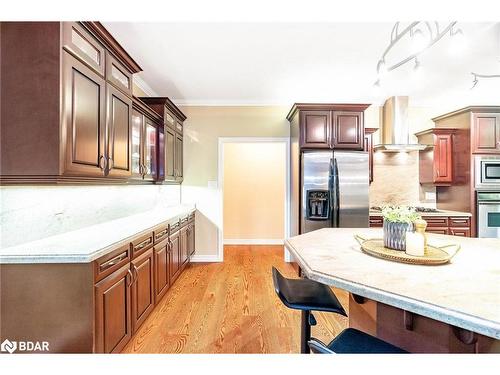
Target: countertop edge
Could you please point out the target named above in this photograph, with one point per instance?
(81, 258)
(456, 318)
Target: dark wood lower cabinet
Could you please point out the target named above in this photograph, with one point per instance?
(113, 321)
(142, 288)
(175, 256)
(190, 240)
(162, 274)
(454, 226)
(184, 245)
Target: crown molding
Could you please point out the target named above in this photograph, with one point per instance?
(144, 86)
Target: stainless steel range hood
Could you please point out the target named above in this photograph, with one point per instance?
(395, 134)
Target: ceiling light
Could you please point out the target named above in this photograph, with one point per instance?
(419, 41)
(382, 69)
(458, 42)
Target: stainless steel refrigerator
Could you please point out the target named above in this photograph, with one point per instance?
(334, 190)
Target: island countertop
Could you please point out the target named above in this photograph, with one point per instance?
(464, 293)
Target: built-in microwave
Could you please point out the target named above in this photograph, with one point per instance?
(487, 171)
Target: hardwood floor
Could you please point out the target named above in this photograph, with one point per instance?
(230, 307)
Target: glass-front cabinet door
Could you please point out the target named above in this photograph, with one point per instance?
(150, 150)
(137, 120)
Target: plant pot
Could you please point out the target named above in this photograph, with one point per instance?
(395, 234)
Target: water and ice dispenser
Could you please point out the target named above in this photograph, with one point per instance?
(318, 204)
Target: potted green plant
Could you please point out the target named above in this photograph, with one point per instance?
(397, 221)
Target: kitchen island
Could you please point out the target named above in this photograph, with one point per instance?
(452, 308)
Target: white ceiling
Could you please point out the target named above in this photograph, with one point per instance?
(282, 63)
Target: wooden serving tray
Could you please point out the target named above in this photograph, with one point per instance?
(433, 255)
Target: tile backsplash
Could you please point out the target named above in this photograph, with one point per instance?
(396, 180)
(33, 212)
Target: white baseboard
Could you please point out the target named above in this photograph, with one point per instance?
(209, 258)
(254, 241)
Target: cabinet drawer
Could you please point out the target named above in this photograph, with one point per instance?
(174, 227)
(111, 262)
(80, 43)
(184, 221)
(118, 75)
(459, 222)
(191, 216)
(433, 221)
(462, 232)
(437, 230)
(376, 221)
(141, 244)
(160, 233)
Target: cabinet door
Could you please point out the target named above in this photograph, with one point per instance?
(136, 144)
(161, 253)
(113, 323)
(142, 288)
(443, 164)
(184, 245)
(175, 256)
(178, 158)
(169, 154)
(315, 129)
(84, 126)
(486, 133)
(191, 240)
(462, 232)
(119, 117)
(348, 130)
(150, 150)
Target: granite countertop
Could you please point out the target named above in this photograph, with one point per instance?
(464, 293)
(440, 213)
(89, 243)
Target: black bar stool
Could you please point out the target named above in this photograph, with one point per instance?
(308, 295)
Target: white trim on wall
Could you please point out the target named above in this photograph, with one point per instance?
(213, 258)
(220, 183)
(144, 86)
(254, 241)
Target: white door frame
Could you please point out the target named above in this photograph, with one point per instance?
(220, 184)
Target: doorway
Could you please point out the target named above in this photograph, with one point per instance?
(254, 184)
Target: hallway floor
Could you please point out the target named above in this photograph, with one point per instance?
(230, 307)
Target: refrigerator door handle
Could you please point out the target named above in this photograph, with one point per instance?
(334, 190)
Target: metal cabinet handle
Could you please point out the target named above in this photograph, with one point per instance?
(140, 169)
(129, 273)
(112, 262)
(161, 234)
(143, 244)
(110, 163)
(102, 162)
(136, 272)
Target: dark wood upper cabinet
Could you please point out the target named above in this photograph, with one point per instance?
(173, 144)
(119, 118)
(145, 144)
(84, 127)
(179, 158)
(316, 129)
(79, 42)
(67, 91)
(486, 130)
(436, 163)
(348, 130)
(330, 126)
(170, 166)
(113, 324)
(143, 295)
